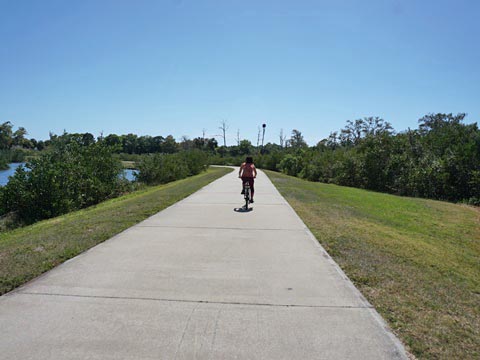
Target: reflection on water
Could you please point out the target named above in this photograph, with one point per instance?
(4, 174)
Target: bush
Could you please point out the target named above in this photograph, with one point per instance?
(291, 165)
(15, 155)
(163, 168)
(269, 161)
(195, 160)
(4, 160)
(226, 160)
(67, 177)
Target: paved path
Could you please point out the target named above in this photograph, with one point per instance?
(198, 281)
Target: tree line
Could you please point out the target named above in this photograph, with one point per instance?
(76, 171)
(438, 160)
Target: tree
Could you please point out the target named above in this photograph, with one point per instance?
(88, 139)
(224, 127)
(19, 137)
(283, 138)
(129, 143)
(169, 146)
(433, 122)
(40, 145)
(143, 143)
(245, 147)
(113, 141)
(33, 143)
(205, 144)
(352, 133)
(157, 143)
(374, 126)
(356, 130)
(212, 144)
(332, 141)
(6, 135)
(296, 140)
(199, 143)
(186, 143)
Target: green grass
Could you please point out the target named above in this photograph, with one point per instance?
(417, 261)
(27, 252)
(129, 165)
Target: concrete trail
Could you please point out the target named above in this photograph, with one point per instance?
(199, 281)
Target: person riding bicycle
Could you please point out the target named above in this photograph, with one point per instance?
(247, 173)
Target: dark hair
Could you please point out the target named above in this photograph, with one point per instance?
(249, 160)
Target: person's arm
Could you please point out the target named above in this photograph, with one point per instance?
(254, 171)
(241, 169)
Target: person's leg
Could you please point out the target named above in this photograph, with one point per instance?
(252, 190)
(244, 180)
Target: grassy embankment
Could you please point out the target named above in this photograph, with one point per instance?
(417, 261)
(27, 252)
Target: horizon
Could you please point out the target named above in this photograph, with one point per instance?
(232, 139)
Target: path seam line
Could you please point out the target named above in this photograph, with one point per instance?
(215, 228)
(194, 301)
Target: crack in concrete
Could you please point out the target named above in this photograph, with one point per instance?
(237, 303)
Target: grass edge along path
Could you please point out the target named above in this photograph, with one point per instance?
(417, 261)
(27, 252)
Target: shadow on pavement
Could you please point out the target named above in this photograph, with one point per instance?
(242, 210)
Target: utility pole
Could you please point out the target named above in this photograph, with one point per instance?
(263, 136)
(238, 137)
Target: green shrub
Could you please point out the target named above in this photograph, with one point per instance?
(195, 160)
(14, 155)
(226, 160)
(67, 177)
(291, 165)
(163, 168)
(269, 161)
(4, 161)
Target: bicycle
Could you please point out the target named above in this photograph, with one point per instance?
(246, 194)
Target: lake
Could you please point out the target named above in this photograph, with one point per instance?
(4, 174)
(129, 174)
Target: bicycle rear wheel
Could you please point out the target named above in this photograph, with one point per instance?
(247, 196)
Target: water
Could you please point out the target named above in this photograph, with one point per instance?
(129, 174)
(4, 174)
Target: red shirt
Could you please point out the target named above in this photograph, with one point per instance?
(248, 170)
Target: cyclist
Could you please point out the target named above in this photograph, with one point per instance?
(247, 173)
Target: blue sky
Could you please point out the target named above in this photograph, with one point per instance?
(177, 67)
